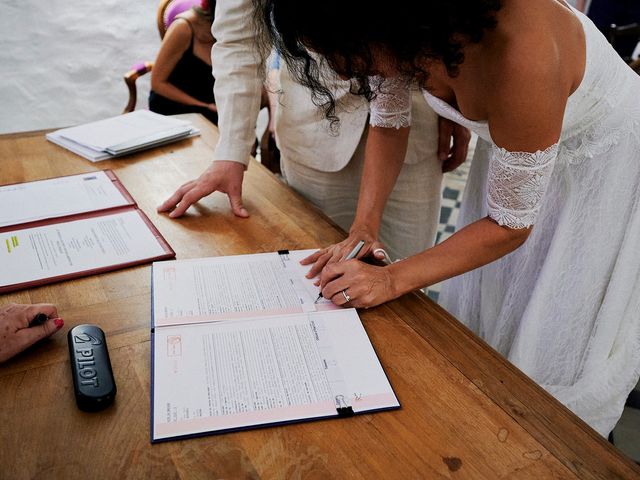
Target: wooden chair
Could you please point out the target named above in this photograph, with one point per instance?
(130, 78)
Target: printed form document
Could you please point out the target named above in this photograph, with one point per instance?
(68, 227)
(238, 342)
(60, 197)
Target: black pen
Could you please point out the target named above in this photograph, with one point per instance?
(352, 254)
(38, 320)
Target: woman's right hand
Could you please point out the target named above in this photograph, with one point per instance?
(16, 334)
(222, 176)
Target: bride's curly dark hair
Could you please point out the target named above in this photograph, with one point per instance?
(345, 34)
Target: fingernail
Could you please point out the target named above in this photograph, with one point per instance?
(59, 323)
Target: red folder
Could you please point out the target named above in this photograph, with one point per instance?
(129, 206)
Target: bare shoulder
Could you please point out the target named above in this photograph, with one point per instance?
(176, 40)
(528, 65)
(533, 63)
(180, 29)
(200, 24)
(527, 93)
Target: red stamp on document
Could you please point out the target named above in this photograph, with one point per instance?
(174, 346)
(169, 273)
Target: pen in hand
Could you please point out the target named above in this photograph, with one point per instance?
(38, 320)
(352, 254)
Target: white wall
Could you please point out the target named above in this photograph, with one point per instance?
(62, 62)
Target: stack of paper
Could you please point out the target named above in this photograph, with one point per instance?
(122, 135)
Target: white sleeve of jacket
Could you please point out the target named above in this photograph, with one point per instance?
(238, 84)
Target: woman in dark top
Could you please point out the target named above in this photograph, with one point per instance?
(181, 80)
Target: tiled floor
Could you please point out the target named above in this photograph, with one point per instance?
(452, 189)
(626, 435)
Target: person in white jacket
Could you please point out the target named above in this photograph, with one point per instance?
(324, 167)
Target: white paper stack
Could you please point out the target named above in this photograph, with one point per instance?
(121, 135)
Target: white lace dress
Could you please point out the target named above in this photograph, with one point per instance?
(564, 307)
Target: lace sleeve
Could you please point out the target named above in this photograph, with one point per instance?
(517, 183)
(391, 107)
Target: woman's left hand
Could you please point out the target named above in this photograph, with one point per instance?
(353, 283)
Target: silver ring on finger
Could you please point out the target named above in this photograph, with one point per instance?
(346, 295)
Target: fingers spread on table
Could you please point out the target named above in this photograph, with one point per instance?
(188, 199)
(173, 200)
(235, 201)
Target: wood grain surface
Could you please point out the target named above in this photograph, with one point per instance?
(466, 412)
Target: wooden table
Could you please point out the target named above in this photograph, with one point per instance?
(466, 412)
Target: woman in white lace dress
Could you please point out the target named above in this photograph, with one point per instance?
(546, 264)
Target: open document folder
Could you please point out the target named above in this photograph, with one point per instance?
(121, 135)
(238, 342)
(69, 227)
